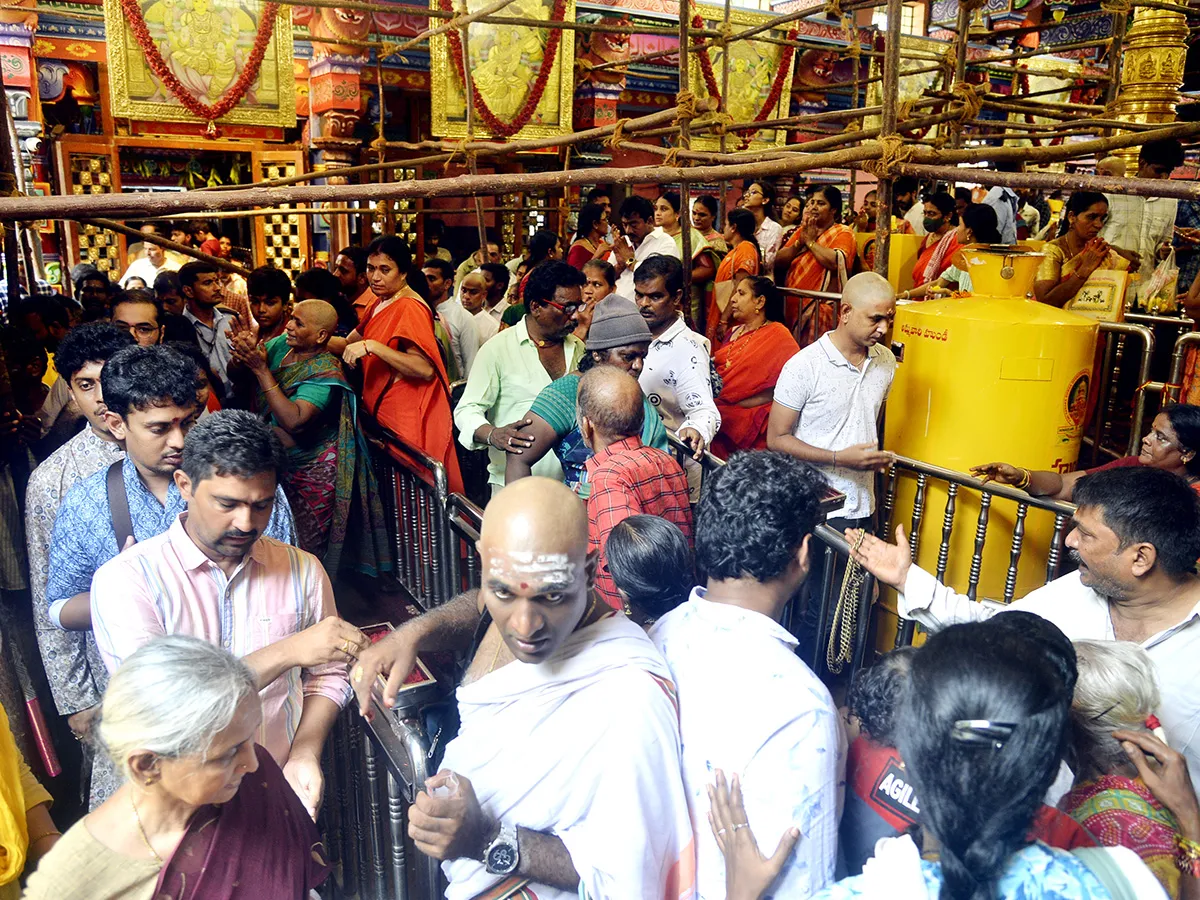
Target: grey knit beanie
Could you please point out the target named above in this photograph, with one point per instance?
(616, 322)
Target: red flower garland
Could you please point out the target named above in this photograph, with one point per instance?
(161, 71)
(496, 127)
(768, 107)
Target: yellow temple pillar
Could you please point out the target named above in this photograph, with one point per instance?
(1151, 71)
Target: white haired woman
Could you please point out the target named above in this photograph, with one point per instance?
(1118, 797)
(179, 718)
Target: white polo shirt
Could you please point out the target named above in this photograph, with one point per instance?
(839, 407)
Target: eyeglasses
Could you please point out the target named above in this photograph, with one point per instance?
(142, 328)
(569, 309)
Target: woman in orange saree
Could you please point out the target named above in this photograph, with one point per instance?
(743, 259)
(749, 366)
(405, 387)
(816, 256)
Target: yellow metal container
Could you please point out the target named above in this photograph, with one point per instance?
(902, 256)
(985, 379)
(1002, 271)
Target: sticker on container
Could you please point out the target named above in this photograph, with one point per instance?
(1077, 398)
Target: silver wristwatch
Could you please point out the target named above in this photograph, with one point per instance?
(502, 855)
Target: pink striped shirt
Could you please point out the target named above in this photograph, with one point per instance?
(166, 585)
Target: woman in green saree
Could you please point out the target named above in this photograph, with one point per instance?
(329, 482)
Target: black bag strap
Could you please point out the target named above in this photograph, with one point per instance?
(118, 505)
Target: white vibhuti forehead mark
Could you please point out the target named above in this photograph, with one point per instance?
(526, 566)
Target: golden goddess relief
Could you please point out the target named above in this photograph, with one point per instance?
(206, 45)
(754, 67)
(504, 63)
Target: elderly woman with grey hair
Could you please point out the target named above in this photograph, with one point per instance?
(180, 719)
(1119, 796)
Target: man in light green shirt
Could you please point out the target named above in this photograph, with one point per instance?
(511, 369)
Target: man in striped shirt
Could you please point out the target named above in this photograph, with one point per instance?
(213, 575)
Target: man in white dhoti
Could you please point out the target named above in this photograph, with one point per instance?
(564, 776)
(1136, 537)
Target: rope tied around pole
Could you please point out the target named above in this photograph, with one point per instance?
(725, 29)
(970, 101)
(618, 135)
(905, 110)
(671, 160)
(685, 106)
(892, 152)
(833, 9)
(721, 122)
(853, 45)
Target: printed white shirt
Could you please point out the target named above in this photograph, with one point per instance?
(1140, 224)
(763, 714)
(1083, 615)
(839, 407)
(677, 379)
(656, 243)
(769, 236)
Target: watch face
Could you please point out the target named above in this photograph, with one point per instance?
(502, 859)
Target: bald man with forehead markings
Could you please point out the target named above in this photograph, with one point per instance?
(565, 770)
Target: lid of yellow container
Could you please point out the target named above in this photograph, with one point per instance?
(1009, 310)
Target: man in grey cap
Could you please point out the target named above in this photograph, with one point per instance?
(620, 337)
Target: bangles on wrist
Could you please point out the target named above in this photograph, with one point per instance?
(1187, 856)
(1023, 484)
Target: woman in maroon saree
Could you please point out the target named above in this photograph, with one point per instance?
(749, 365)
(205, 812)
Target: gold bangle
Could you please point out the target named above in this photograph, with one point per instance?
(41, 837)
(1025, 481)
(273, 387)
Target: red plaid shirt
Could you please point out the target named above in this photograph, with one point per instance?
(629, 479)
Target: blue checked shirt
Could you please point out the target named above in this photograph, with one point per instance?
(1187, 256)
(84, 538)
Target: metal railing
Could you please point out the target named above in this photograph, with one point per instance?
(1102, 439)
(415, 491)
(956, 484)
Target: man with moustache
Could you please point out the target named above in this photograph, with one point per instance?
(1136, 537)
(214, 574)
(150, 398)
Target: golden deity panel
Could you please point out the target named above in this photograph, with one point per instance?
(504, 61)
(206, 45)
(753, 66)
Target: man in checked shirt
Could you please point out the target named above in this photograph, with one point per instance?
(627, 478)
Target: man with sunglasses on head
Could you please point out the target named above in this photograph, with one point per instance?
(512, 368)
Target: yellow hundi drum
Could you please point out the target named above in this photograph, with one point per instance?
(983, 379)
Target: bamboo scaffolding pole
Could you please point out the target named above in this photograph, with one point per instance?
(960, 59)
(8, 187)
(787, 122)
(1138, 187)
(182, 249)
(891, 97)
(158, 206)
(154, 206)
(1048, 50)
(723, 207)
(685, 145)
(469, 95)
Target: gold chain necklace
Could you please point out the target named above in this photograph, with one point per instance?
(142, 828)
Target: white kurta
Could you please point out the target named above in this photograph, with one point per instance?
(585, 747)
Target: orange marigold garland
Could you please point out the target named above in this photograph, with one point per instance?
(495, 126)
(158, 66)
(768, 107)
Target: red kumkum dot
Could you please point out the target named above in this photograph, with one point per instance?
(524, 586)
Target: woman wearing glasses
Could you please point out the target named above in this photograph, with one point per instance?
(1171, 444)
